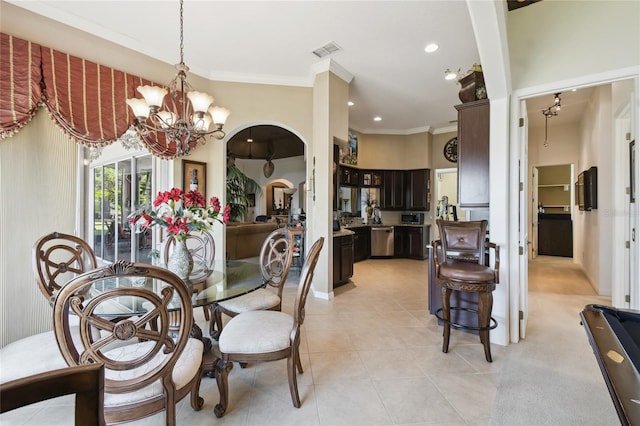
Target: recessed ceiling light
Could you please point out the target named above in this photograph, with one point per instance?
(431, 47)
(450, 75)
(377, 118)
(350, 103)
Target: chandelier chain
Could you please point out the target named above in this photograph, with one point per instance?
(181, 32)
(184, 116)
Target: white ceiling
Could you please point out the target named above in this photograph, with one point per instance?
(271, 42)
(573, 105)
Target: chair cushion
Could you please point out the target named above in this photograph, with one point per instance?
(31, 355)
(465, 271)
(256, 332)
(185, 369)
(258, 300)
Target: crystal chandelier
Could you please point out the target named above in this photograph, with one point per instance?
(185, 117)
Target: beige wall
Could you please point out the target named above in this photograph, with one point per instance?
(437, 151)
(593, 251)
(402, 152)
(555, 40)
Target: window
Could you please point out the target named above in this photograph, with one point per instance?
(120, 188)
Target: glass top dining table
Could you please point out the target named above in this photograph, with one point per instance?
(225, 280)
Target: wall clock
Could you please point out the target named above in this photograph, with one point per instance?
(451, 150)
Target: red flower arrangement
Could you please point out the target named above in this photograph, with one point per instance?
(181, 212)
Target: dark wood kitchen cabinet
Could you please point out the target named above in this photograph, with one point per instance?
(418, 189)
(473, 154)
(392, 193)
(361, 243)
(342, 259)
(349, 176)
(411, 241)
(400, 241)
(371, 178)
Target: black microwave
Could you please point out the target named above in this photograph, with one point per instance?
(412, 218)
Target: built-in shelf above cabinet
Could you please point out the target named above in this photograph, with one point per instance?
(554, 189)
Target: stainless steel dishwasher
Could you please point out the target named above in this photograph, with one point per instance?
(381, 241)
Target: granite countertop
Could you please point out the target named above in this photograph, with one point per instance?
(362, 225)
(342, 232)
(413, 224)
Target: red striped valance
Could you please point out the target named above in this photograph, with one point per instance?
(20, 78)
(87, 100)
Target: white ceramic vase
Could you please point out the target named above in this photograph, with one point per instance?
(180, 261)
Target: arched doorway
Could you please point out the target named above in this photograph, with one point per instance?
(266, 153)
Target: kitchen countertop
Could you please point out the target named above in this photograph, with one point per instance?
(360, 225)
(342, 232)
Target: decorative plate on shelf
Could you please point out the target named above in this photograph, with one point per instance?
(451, 150)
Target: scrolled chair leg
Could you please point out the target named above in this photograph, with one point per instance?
(222, 379)
(293, 380)
(215, 323)
(196, 400)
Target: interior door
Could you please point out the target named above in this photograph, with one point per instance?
(523, 228)
(533, 208)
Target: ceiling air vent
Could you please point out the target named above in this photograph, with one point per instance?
(326, 50)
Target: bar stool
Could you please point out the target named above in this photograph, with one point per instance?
(460, 257)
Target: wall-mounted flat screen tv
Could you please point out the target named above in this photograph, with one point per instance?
(587, 189)
(580, 191)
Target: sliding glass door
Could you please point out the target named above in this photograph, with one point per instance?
(119, 188)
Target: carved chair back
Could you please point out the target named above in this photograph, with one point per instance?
(201, 246)
(463, 241)
(276, 255)
(148, 361)
(57, 258)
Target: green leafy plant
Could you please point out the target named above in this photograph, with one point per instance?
(239, 186)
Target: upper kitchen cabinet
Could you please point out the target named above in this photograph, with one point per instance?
(392, 193)
(349, 176)
(473, 154)
(418, 189)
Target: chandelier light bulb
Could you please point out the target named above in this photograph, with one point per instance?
(139, 107)
(219, 115)
(153, 95)
(201, 122)
(167, 119)
(200, 101)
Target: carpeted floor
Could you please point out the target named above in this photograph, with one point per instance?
(552, 377)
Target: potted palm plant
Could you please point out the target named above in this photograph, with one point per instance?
(239, 186)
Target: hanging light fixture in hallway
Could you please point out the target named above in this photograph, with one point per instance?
(551, 111)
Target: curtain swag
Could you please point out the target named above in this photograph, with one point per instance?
(86, 100)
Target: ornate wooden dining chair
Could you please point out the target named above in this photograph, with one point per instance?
(256, 336)
(461, 265)
(275, 261)
(150, 374)
(203, 250)
(57, 258)
(85, 381)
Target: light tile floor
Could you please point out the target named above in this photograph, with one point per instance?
(371, 356)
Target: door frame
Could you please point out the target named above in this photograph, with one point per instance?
(519, 157)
